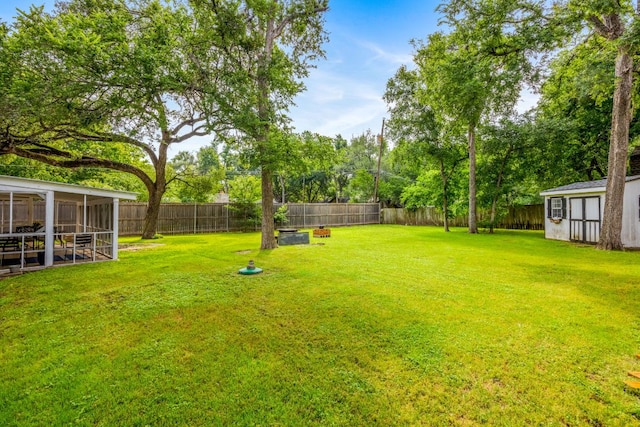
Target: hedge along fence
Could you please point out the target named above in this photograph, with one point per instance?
(529, 217)
(189, 218)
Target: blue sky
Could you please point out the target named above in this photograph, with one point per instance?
(368, 42)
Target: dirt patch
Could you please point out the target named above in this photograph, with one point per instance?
(246, 251)
(137, 247)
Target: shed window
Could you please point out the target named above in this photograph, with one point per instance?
(557, 208)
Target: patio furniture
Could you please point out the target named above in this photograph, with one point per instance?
(8, 245)
(80, 242)
(58, 236)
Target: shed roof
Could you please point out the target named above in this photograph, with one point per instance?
(596, 186)
(63, 191)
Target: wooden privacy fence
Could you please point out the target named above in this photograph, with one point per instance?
(303, 215)
(187, 218)
(529, 217)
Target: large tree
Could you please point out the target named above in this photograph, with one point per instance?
(573, 116)
(270, 45)
(420, 133)
(505, 164)
(617, 23)
(95, 76)
(516, 27)
(198, 177)
(309, 169)
(462, 84)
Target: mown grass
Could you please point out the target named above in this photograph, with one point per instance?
(378, 325)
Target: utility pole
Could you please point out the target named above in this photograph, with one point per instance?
(380, 140)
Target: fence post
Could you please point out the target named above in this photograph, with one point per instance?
(195, 217)
(348, 214)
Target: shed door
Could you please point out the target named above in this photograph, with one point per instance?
(584, 219)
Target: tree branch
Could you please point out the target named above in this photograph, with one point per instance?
(287, 19)
(43, 155)
(198, 131)
(190, 122)
(109, 137)
(610, 27)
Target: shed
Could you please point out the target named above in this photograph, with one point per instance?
(574, 212)
(49, 223)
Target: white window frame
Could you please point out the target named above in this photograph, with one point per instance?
(556, 208)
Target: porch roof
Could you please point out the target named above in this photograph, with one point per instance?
(70, 192)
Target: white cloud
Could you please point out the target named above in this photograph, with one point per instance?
(528, 100)
(359, 106)
(392, 58)
(344, 94)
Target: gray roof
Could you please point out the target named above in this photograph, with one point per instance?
(599, 184)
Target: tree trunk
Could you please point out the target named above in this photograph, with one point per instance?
(268, 229)
(492, 217)
(445, 202)
(157, 190)
(268, 240)
(445, 209)
(473, 227)
(151, 216)
(611, 233)
(281, 181)
(494, 201)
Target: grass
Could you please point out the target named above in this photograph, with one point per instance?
(377, 325)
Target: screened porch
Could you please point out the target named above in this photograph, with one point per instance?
(45, 224)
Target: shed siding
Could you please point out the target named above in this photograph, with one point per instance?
(562, 230)
(630, 215)
(555, 231)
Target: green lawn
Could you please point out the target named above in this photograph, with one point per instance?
(377, 325)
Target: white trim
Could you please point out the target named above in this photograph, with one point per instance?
(594, 190)
(48, 220)
(114, 229)
(84, 214)
(25, 185)
(11, 212)
(556, 208)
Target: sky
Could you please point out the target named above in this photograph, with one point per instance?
(368, 41)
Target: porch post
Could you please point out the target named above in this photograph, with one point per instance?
(84, 214)
(48, 230)
(114, 239)
(11, 212)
